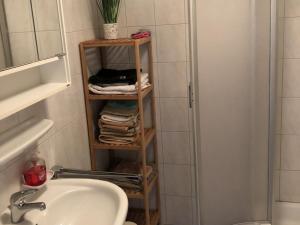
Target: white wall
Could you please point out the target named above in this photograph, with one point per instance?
(168, 22)
(233, 105)
(287, 169)
(67, 143)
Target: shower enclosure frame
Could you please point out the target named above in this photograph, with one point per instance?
(272, 99)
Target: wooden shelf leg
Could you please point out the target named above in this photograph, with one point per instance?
(88, 108)
(154, 122)
(143, 144)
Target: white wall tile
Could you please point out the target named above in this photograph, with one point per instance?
(161, 179)
(49, 43)
(95, 15)
(122, 22)
(163, 219)
(175, 14)
(152, 29)
(289, 186)
(73, 40)
(86, 15)
(159, 147)
(158, 114)
(179, 210)
(292, 8)
(140, 12)
(46, 152)
(280, 37)
(290, 152)
(172, 79)
(176, 147)
(72, 14)
(280, 8)
(276, 185)
(68, 10)
(171, 43)
(291, 116)
(178, 180)
(195, 211)
(291, 78)
(277, 154)
(174, 114)
(155, 78)
(278, 115)
(292, 38)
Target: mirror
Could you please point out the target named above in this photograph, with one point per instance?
(47, 28)
(29, 31)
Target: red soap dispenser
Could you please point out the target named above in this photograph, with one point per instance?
(35, 173)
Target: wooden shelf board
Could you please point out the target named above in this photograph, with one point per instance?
(138, 216)
(140, 195)
(116, 42)
(145, 92)
(149, 134)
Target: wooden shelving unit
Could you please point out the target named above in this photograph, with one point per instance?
(138, 216)
(143, 216)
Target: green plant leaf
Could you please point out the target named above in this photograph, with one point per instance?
(109, 10)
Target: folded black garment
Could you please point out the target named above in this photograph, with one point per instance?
(109, 76)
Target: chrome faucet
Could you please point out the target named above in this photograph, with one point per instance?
(19, 207)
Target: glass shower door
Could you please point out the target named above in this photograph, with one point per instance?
(233, 81)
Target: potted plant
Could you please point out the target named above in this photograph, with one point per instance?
(109, 10)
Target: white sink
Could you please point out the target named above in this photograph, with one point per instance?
(77, 202)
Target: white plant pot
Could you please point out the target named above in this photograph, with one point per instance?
(110, 31)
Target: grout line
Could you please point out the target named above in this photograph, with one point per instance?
(180, 196)
(283, 98)
(291, 17)
(290, 170)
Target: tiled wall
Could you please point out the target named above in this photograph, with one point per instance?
(67, 142)
(168, 22)
(287, 169)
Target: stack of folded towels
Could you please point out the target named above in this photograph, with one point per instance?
(119, 123)
(116, 82)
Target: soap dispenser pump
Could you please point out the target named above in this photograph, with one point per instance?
(35, 173)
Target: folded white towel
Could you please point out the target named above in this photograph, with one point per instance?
(124, 89)
(116, 119)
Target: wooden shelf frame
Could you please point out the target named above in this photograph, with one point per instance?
(147, 135)
(138, 216)
(114, 43)
(141, 194)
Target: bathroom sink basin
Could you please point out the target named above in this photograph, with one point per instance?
(77, 202)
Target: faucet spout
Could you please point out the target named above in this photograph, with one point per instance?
(19, 207)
